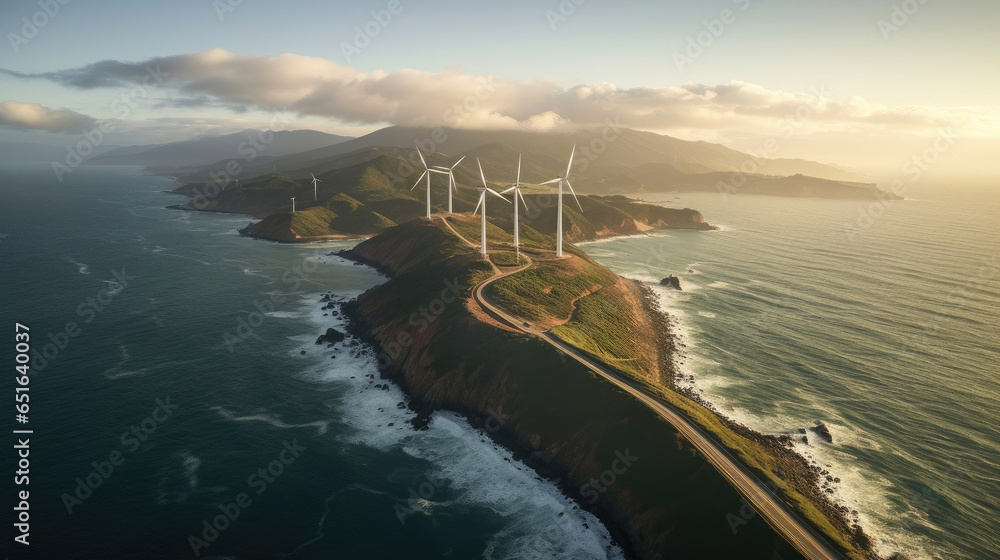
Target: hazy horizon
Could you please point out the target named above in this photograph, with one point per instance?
(860, 85)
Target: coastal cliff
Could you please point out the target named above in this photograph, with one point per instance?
(659, 497)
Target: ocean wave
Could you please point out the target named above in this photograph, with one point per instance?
(540, 520)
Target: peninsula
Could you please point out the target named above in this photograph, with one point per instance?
(571, 366)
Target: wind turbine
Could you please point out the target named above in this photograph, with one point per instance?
(293, 205)
(482, 202)
(315, 180)
(559, 215)
(452, 186)
(516, 189)
(427, 172)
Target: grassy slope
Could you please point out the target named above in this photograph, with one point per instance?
(567, 422)
(604, 326)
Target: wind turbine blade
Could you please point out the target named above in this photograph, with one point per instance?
(452, 184)
(556, 180)
(482, 197)
(571, 154)
(314, 177)
(497, 194)
(418, 180)
(422, 160)
(574, 195)
(458, 162)
(518, 182)
(507, 190)
(483, 177)
(520, 194)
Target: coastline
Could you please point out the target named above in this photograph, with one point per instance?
(431, 371)
(805, 477)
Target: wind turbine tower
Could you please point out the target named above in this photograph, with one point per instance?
(516, 189)
(315, 180)
(427, 173)
(452, 186)
(559, 213)
(482, 202)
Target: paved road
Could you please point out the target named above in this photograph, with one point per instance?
(797, 532)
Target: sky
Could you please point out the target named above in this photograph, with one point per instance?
(867, 84)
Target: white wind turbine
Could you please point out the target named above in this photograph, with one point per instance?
(482, 202)
(315, 180)
(427, 172)
(559, 214)
(516, 189)
(293, 205)
(452, 186)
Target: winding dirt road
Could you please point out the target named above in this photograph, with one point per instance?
(788, 524)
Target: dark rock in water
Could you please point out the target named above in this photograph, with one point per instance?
(823, 431)
(671, 282)
(805, 439)
(802, 430)
(332, 336)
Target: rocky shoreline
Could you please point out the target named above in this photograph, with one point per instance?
(810, 479)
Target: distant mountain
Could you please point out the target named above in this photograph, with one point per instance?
(25, 152)
(207, 150)
(606, 159)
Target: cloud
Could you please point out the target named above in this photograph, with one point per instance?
(32, 116)
(318, 87)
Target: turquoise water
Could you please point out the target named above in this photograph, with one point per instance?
(204, 342)
(890, 335)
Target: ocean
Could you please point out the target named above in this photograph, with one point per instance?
(180, 407)
(881, 320)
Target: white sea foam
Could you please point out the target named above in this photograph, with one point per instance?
(80, 267)
(541, 521)
(320, 425)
